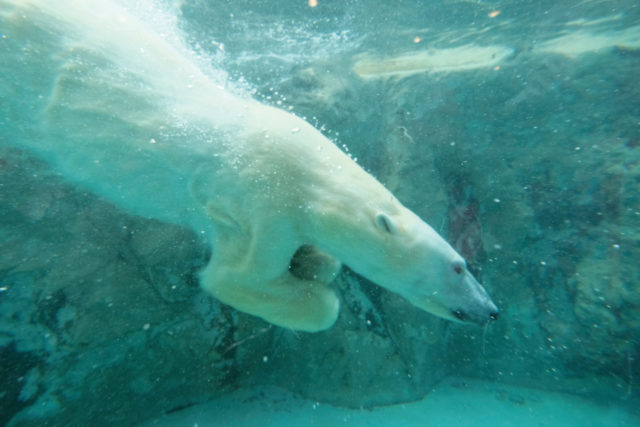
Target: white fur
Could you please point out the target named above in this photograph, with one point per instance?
(127, 112)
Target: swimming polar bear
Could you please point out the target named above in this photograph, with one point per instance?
(118, 105)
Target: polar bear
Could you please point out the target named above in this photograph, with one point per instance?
(128, 113)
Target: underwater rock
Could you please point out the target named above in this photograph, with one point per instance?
(89, 303)
(607, 301)
(335, 366)
(20, 371)
(543, 200)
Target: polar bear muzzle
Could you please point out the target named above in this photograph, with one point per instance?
(474, 303)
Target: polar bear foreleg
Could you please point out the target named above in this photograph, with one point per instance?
(285, 284)
(287, 301)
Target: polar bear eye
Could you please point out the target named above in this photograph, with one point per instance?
(384, 222)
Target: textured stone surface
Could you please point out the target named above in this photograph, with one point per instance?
(100, 312)
(536, 184)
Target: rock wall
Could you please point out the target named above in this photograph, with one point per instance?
(533, 168)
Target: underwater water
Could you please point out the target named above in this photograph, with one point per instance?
(512, 128)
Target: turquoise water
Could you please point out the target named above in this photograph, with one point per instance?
(512, 128)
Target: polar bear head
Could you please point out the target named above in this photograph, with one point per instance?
(395, 249)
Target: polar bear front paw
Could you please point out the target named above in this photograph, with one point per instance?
(310, 306)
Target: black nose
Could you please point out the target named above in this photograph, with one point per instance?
(494, 315)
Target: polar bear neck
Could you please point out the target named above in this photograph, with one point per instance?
(346, 219)
(304, 170)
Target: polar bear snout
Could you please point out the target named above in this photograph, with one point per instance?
(474, 304)
(462, 315)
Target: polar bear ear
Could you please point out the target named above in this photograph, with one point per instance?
(385, 223)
